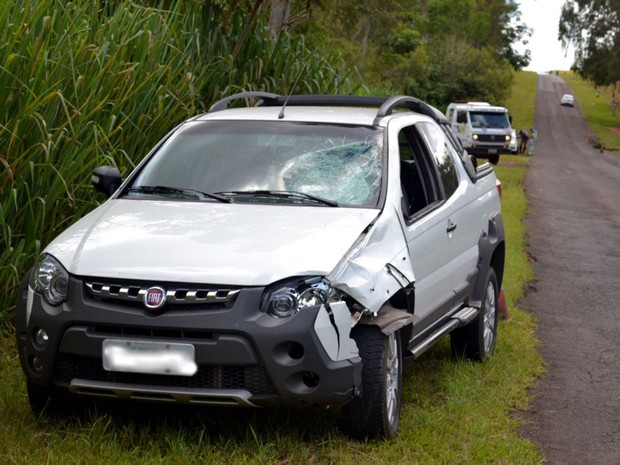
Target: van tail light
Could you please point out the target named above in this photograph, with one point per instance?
(498, 184)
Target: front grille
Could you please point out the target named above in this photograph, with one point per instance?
(178, 297)
(112, 331)
(499, 139)
(253, 379)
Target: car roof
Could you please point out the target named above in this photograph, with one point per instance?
(341, 109)
(333, 115)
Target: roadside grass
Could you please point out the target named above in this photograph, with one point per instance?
(596, 106)
(453, 411)
(521, 102)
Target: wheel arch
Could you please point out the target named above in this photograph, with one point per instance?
(396, 314)
(492, 254)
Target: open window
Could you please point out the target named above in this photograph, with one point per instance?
(418, 176)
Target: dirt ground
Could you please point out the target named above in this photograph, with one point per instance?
(574, 237)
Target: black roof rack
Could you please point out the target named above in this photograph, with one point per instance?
(386, 104)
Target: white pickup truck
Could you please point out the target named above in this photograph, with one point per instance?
(289, 253)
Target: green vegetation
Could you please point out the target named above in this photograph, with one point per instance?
(83, 86)
(521, 102)
(436, 50)
(593, 27)
(596, 106)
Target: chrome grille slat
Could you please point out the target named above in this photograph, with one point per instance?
(174, 294)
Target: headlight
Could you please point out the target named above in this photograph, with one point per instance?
(475, 137)
(508, 137)
(50, 279)
(287, 298)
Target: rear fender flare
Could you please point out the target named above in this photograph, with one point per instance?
(491, 254)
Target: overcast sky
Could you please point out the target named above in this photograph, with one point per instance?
(543, 16)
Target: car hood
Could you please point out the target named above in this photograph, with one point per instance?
(203, 242)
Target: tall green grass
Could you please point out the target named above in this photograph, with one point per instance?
(88, 83)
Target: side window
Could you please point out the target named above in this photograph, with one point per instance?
(459, 153)
(419, 183)
(461, 117)
(436, 141)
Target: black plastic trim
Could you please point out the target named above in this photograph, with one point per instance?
(242, 337)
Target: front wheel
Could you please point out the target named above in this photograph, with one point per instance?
(476, 340)
(51, 403)
(375, 413)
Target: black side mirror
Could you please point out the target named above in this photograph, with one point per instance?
(470, 164)
(106, 179)
(474, 161)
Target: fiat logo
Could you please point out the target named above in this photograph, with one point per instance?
(154, 298)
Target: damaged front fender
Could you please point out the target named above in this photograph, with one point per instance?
(333, 328)
(377, 266)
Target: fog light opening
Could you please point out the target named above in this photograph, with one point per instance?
(37, 364)
(310, 379)
(295, 351)
(41, 337)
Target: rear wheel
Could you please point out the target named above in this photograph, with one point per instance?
(375, 413)
(476, 341)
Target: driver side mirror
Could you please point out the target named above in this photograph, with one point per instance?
(106, 179)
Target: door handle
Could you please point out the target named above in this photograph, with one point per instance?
(451, 226)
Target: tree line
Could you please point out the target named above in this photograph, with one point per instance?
(593, 27)
(437, 50)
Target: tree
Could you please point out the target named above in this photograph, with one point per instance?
(593, 27)
(437, 50)
(481, 23)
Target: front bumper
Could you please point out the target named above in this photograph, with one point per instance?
(485, 151)
(244, 356)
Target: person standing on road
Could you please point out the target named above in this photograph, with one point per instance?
(533, 136)
(524, 136)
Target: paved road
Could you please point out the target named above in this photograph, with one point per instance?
(574, 237)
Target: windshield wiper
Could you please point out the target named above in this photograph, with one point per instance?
(284, 194)
(186, 191)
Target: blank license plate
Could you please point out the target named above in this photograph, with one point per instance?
(156, 358)
(492, 151)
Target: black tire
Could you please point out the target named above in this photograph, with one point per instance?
(49, 403)
(476, 341)
(375, 413)
(494, 159)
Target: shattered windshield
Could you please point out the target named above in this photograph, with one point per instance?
(269, 162)
(489, 119)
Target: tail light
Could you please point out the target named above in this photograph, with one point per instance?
(498, 184)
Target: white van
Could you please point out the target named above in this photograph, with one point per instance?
(484, 130)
